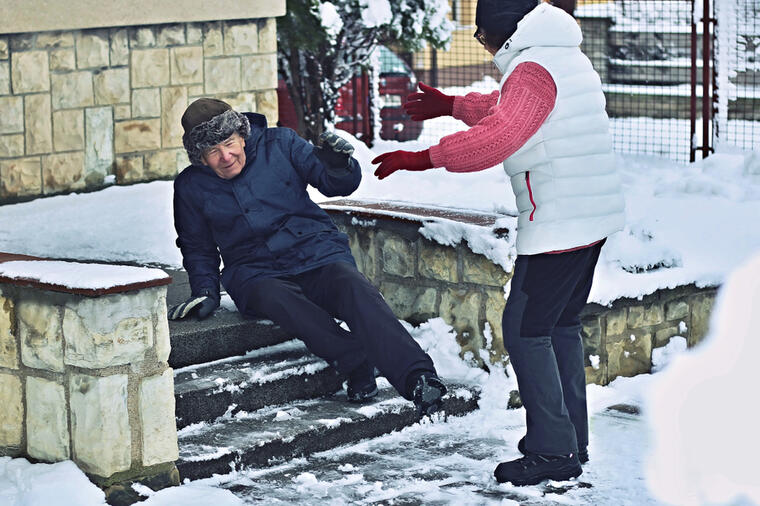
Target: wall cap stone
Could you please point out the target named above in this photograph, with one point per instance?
(411, 212)
(92, 280)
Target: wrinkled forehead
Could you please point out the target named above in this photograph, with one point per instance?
(232, 139)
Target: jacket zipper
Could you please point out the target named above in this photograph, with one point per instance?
(530, 194)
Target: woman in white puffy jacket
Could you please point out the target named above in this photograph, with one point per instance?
(548, 126)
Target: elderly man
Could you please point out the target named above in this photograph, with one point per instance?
(244, 198)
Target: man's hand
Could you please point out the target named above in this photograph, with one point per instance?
(201, 305)
(430, 103)
(333, 150)
(402, 160)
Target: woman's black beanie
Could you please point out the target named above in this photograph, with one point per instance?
(500, 17)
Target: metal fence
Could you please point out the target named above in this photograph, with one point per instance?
(737, 61)
(649, 54)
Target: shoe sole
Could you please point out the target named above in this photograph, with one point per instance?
(560, 475)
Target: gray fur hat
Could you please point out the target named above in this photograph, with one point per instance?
(207, 122)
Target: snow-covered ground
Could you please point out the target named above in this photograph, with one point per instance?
(694, 443)
(686, 224)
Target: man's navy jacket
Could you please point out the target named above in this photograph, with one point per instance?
(262, 221)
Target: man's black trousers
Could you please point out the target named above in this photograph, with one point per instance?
(307, 304)
(542, 334)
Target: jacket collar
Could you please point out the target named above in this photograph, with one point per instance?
(258, 124)
(545, 25)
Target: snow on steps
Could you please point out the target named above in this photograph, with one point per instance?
(248, 394)
(271, 375)
(296, 429)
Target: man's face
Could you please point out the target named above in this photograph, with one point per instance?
(227, 158)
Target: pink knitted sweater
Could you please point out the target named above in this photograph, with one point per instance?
(498, 129)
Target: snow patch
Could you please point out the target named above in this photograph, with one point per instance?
(664, 355)
(708, 388)
(79, 275)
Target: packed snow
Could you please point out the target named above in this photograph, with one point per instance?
(705, 447)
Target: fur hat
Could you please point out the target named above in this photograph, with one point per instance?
(500, 17)
(207, 122)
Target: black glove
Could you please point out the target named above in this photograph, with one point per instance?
(202, 305)
(333, 150)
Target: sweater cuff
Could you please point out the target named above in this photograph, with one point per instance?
(436, 155)
(456, 108)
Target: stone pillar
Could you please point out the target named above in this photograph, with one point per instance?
(84, 375)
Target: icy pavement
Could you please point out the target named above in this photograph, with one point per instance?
(450, 462)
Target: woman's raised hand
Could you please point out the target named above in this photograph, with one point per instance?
(402, 160)
(428, 103)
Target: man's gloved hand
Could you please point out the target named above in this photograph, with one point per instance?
(333, 150)
(402, 160)
(201, 305)
(431, 103)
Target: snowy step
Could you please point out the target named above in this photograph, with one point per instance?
(272, 375)
(297, 429)
(225, 334)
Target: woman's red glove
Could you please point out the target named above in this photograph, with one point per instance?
(402, 160)
(431, 103)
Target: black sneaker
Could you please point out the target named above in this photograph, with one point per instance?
(428, 394)
(361, 384)
(534, 468)
(582, 454)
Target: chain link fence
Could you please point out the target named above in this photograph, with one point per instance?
(649, 57)
(737, 62)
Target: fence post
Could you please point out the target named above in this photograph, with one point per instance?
(706, 79)
(693, 98)
(434, 68)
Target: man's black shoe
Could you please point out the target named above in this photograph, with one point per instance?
(428, 394)
(582, 454)
(534, 468)
(361, 384)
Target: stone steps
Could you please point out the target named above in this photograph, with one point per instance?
(224, 335)
(248, 394)
(272, 375)
(277, 433)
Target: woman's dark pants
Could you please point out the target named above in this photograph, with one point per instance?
(307, 304)
(542, 334)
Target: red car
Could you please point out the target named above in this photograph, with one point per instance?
(353, 111)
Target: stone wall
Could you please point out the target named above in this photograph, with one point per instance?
(86, 378)
(81, 109)
(422, 279)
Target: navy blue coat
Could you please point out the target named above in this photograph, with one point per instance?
(262, 221)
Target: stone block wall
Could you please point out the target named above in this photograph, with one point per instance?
(82, 108)
(421, 279)
(619, 339)
(85, 377)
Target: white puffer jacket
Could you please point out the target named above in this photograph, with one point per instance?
(564, 177)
